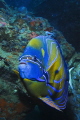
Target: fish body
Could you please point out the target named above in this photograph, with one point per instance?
(44, 71)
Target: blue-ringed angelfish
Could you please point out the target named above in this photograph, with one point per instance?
(44, 71)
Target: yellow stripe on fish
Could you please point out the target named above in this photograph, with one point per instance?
(35, 44)
(44, 71)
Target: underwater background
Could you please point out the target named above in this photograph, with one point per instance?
(20, 21)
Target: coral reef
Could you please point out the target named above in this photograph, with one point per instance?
(74, 98)
(16, 29)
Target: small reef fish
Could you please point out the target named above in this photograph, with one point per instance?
(44, 71)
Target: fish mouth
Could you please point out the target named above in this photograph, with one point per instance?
(22, 63)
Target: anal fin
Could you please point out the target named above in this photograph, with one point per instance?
(49, 102)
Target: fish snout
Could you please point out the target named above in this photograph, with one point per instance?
(22, 68)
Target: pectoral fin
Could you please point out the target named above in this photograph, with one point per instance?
(49, 102)
(17, 73)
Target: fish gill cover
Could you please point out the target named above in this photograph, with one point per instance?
(20, 21)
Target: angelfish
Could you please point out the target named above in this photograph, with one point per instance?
(44, 71)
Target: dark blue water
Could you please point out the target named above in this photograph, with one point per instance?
(47, 113)
(18, 3)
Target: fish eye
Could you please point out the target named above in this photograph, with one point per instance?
(35, 59)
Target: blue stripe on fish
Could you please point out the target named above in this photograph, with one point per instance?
(55, 88)
(58, 81)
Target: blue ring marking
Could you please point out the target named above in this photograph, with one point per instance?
(56, 89)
